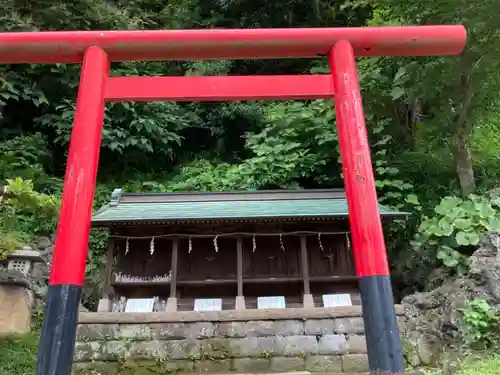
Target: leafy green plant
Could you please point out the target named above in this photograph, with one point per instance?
(393, 189)
(96, 259)
(456, 226)
(482, 324)
(9, 241)
(144, 127)
(25, 157)
(24, 213)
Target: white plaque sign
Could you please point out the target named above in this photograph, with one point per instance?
(336, 300)
(140, 305)
(271, 302)
(211, 304)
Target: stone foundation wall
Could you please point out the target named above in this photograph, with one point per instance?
(251, 341)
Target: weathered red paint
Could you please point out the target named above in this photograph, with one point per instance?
(133, 45)
(215, 89)
(366, 228)
(70, 253)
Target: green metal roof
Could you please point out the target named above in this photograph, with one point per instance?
(174, 207)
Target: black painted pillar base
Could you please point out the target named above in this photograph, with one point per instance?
(385, 353)
(57, 339)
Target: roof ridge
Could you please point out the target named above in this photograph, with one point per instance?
(249, 192)
(120, 197)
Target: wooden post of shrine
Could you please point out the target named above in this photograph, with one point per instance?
(240, 298)
(308, 300)
(105, 303)
(172, 300)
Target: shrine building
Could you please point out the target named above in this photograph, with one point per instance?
(280, 249)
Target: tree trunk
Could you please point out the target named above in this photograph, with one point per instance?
(463, 163)
(463, 126)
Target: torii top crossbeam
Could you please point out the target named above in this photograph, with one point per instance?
(159, 45)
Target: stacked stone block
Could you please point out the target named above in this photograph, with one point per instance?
(323, 345)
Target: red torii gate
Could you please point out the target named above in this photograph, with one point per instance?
(95, 49)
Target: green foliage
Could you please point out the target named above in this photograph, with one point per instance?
(456, 225)
(19, 197)
(393, 188)
(18, 354)
(148, 128)
(24, 157)
(96, 260)
(488, 365)
(96, 256)
(485, 146)
(297, 143)
(24, 213)
(16, 85)
(476, 364)
(482, 324)
(9, 241)
(294, 145)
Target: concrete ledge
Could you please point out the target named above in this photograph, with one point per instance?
(223, 316)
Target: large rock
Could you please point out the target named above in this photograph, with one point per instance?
(485, 265)
(433, 322)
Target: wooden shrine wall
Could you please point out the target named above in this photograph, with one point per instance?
(138, 259)
(263, 258)
(206, 259)
(329, 256)
(207, 267)
(271, 257)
